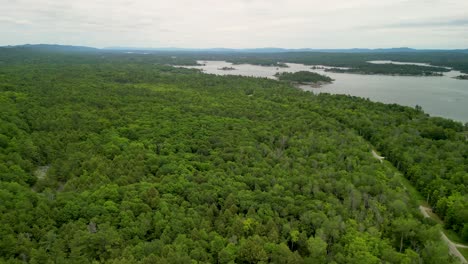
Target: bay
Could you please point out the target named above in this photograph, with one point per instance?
(438, 95)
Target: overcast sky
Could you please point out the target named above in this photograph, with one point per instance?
(237, 23)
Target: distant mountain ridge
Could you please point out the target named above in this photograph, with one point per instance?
(280, 50)
(52, 48)
(71, 48)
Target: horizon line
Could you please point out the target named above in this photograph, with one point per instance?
(116, 47)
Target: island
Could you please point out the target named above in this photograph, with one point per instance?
(255, 61)
(304, 77)
(391, 69)
(281, 65)
(461, 77)
(317, 67)
(227, 69)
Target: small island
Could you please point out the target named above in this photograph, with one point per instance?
(317, 67)
(257, 61)
(227, 69)
(461, 77)
(304, 77)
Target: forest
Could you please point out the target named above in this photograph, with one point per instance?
(121, 158)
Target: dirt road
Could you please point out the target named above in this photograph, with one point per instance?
(377, 156)
(453, 247)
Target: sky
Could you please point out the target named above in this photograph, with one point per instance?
(237, 23)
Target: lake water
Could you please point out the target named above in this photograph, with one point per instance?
(438, 96)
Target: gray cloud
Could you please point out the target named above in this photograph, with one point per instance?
(10, 20)
(237, 23)
(428, 24)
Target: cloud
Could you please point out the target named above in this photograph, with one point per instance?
(9, 20)
(236, 23)
(432, 23)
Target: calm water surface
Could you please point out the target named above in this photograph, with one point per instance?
(439, 96)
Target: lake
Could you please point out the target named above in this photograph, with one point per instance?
(438, 96)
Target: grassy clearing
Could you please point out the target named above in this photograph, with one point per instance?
(410, 189)
(454, 237)
(437, 219)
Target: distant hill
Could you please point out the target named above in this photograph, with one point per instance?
(70, 48)
(281, 50)
(52, 48)
(214, 50)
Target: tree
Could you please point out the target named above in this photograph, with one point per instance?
(317, 249)
(251, 250)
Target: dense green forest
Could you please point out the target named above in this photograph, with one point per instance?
(303, 77)
(117, 158)
(433, 153)
(455, 59)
